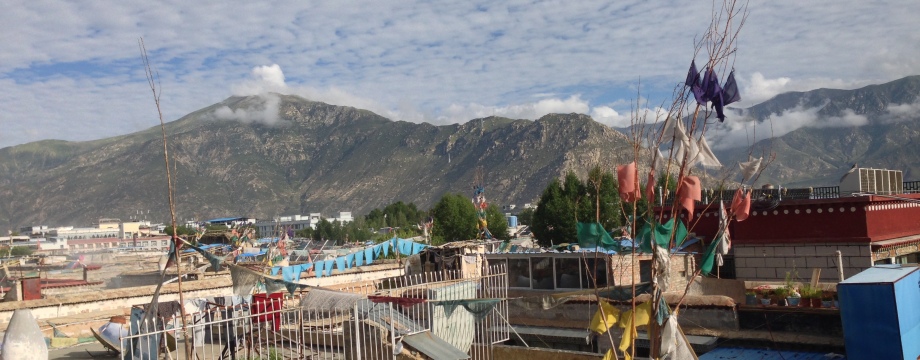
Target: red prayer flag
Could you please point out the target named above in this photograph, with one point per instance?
(741, 205)
(627, 178)
(690, 191)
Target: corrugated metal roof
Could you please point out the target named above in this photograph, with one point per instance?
(433, 346)
(881, 274)
(760, 354)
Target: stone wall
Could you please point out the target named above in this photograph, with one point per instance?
(682, 268)
(772, 262)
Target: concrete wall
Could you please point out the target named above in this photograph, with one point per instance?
(771, 262)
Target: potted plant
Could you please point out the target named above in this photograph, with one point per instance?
(750, 297)
(827, 299)
(780, 295)
(793, 298)
(807, 293)
(765, 293)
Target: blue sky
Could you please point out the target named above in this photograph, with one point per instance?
(71, 70)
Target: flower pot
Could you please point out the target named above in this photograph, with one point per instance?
(816, 303)
(765, 301)
(836, 304)
(750, 299)
(827, 303)
(793, 301)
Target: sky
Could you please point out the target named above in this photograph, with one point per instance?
(72, 70)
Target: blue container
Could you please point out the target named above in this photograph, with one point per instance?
(880, 313)
(512, 221)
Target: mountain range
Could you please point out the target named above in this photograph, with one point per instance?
(270, 155)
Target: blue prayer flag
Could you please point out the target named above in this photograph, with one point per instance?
(275, 270)
(359, 258)
(319, 269)
(369, 255)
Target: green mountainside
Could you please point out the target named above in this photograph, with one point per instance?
(315, 158)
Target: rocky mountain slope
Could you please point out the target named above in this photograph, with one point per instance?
(315, 158)
(886, 133)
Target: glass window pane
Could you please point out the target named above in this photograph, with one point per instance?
(596, 273)
(567, 273)
(542, 270)
(519, 273)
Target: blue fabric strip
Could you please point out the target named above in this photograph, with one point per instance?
(340, 263)
(319, 269)
(359, 258)
(328, 267)
(349, 260)
(369, 255)
(287, 273)
(275, 270)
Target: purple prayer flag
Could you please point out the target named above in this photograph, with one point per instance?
(693, 76)
(730, 92)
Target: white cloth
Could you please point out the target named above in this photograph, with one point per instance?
(750, 167)
(706, 157)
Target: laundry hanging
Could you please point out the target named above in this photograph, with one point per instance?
(402, 301)
(479, 308)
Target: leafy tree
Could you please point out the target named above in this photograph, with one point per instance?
(454, 218)
(498, 223)
(525, 217)
(182, 230)
(21, 251)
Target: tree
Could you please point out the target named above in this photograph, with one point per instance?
(454, 218)
(554, 220)
(498, 224)
(182, 230)
(597, 199)
(525, 217)
(21, 251)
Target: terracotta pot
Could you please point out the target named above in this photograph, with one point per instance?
(816, 303)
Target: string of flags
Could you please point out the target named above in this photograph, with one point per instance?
(361, 257)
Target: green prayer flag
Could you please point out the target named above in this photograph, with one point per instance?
(710, 256)
(593, 235)
(662, 234)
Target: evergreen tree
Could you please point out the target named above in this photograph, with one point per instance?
(554, 219)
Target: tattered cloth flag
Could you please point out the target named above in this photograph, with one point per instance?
(626, 175)
(749, 168)
(707, 89)
(689, 193)
(591, 235)
(741, 204)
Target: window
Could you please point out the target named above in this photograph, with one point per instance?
(595, 273)
(519, 273)
(645, 270)
(568, 273)
(542, 270)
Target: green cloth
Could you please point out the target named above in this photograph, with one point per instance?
(593, 235)
(662, 235)
(709, 258)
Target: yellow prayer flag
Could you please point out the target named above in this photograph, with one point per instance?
(610, 314)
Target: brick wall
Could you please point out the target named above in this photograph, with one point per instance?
(772, 262)
(682, 268)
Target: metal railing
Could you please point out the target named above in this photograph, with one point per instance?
(369, 321)
(712, 195)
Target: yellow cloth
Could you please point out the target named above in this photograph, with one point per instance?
(610, 355)
(643, 314)
(611, 314)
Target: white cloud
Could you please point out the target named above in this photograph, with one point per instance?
(745, 132)
(74, 67)
(902, 112)
(263, 108)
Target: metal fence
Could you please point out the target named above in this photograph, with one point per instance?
(414, 316)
